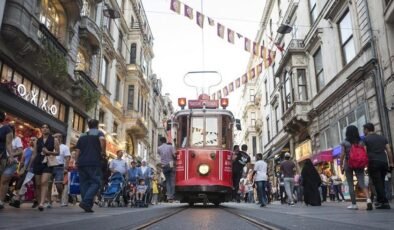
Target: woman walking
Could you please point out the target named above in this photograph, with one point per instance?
(311, 182)
(353, 138)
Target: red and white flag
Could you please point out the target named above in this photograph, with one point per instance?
(255, 49)
(200, 19)
(231, 87)
(188, 12)
(237, 83)
(211, 21)
(225, 91)
(176, 6)
(247, 44)
(252, 73)
(259, 69)
(244, 79)
(220, 30)
(230, 36)
(262, 50)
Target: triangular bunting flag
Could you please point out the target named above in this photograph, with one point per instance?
(255, 49)
(200, 19)
(252, 74)
(225, 91)
(239, 35)
(219, 94)
(259, 69)
(188, 12)
(176, 6)
(211, 21)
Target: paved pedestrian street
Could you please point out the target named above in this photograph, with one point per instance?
(227, 216)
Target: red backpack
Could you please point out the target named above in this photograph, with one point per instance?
(358, 158)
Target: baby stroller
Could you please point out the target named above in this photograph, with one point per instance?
(113, 196)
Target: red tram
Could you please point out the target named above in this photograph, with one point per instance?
(203, 135)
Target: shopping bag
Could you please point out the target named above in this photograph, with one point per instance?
(73, 183)
(28, 178)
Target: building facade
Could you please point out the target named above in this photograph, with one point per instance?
(334, 71)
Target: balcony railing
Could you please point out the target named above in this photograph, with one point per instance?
(47, 37)
(296, 115)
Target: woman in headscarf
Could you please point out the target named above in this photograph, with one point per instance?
(311, 182)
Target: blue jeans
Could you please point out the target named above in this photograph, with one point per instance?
(261, 192)
(170, 183)
(90, 182)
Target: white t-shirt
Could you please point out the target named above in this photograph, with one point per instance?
(119, 166)
(16, 143)
(64, 152)
(261, 171)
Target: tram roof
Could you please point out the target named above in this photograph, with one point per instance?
(204, 112)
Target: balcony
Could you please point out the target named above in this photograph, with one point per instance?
(73, 9)
(296, 117)
(90, 32)
(135, 124)
(294, 55)
(389, 11)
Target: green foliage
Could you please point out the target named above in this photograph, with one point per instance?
(89, 96)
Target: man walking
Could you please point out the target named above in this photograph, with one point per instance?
(378, 151)
(63, 160)
(288, 168)
(167, 155)
(90, 146)
(260, 170)
(118, 165)
(240, 159)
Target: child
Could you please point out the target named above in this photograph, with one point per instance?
(332, 191)
(155, 190)
(141, 189)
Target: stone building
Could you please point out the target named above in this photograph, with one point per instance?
(334, 71)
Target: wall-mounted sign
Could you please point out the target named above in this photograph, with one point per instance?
(303, 150)
(32, 97)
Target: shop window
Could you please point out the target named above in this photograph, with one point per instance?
(346, 34)
(6, 74)
(62, 112)
(318, 61)
(53, 17)
(78, 122)
(17, 78)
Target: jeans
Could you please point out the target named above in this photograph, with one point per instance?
(261, 192)
(360, 179)
(338, 191)
(324, 192)
(236, 178)
(377, 173)
(388, 188)
(250, 196)
(90, 182)
(170, 184)
(289, 187)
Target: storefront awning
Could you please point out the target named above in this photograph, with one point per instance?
(323, 156)
(336, 151)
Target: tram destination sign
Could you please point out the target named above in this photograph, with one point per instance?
(199, 104)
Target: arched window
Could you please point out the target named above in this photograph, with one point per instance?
(133, 53)
(83, 63)
(53, 17)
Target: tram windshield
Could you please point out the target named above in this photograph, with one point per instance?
(204, 135)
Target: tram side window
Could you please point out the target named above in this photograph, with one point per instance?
(182, 135)
(211, 127)
(226, 133)
(197, 131)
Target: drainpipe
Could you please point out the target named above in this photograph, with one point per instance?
(379, 84)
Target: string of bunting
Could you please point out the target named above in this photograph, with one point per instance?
(255, 48)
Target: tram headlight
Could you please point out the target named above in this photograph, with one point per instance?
(203, 169)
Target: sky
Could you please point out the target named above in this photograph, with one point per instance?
(180, 45)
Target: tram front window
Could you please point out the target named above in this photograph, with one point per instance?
(197, 131)
(211, 130)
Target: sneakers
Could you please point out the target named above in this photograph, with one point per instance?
(292, 204)
(369, 206)
(15, 203)
(35, 204)
(85, 207)
(352, 207)
(64, 205)
(383, 206)
(48, 205)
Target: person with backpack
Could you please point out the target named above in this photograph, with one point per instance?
(354, 159)
(380, 160)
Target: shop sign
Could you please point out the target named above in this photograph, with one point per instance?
(303, 150)
(32, 97)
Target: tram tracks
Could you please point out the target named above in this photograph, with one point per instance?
(156, 221)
